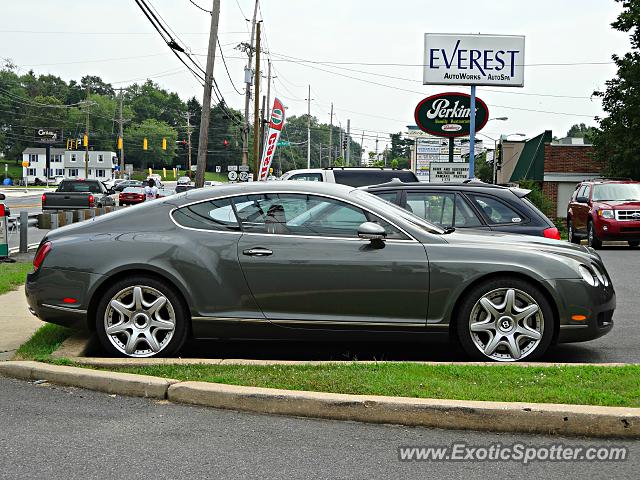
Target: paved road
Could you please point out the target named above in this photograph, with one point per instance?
(56, 432)
(620, 345)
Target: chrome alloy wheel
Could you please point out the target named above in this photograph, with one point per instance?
(139, 321)
(506, 324)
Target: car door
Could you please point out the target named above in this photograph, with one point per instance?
(304, 263)
(581, 210)
(447, 209)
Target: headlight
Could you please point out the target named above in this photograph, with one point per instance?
(606, 213)
(588, 275)
(601, 276)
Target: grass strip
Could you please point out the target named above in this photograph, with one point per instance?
(43, 343)
(13, 275)
(582, 385)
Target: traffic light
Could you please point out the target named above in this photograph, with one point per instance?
(181, 143)
(164, 143)
(85, 140)
(119, 143)
(225, 143)
(344, 144)
(498, 158)
(145, 144)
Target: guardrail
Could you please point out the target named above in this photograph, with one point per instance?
(60, 218)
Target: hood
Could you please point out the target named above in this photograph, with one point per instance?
(619, 204)
(523, 242)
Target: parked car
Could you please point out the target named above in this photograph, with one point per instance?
(156, 178)
(131, 196)
(127, 183)
(184, 188)
(213, 183)
(471, 204)
(184, 181)
(166, 192)
(77, 194)
(352, 176)
(601, 210)
(309, 261)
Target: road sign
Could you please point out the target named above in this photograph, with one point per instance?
(283, 143)
(48, 135)
(243, 168)
(244, 176)
(232, 176)
(448, 172)
(218, 169)
(232, 168)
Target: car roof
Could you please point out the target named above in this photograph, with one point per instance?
(394, 184)
(597, 181)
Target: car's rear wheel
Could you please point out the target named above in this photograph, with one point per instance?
(592, 238)
(633, 243)
(505, 320)
(141, 317)
(571, 233)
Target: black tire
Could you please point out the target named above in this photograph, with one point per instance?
(174, 300)
(592, 239)
(634, 243)
(473, 296)
(571, 232)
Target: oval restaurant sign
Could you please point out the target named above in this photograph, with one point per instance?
(448, 114)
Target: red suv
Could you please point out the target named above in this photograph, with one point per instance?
(602, 210)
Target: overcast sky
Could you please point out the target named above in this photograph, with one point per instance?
(114, 40)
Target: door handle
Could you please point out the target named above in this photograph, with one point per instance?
(257, 252)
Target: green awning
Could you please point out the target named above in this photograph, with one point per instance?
(530, 165)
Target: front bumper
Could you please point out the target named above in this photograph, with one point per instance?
(596, 304)
(612, 230)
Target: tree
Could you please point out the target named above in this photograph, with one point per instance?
(616, 142)
(483, 170)
(154, 131)
(582, 131)
(400, 147)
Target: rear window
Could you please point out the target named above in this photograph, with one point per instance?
(72, 187)
(360, 178)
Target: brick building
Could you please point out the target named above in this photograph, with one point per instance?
(558, 167)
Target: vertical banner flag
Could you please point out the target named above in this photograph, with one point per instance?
(275, 127)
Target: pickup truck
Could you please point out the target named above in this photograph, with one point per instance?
(76, 195)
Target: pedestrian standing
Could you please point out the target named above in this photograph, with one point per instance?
(151, 191)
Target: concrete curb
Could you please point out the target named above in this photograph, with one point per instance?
(109, 382)
(574, 420)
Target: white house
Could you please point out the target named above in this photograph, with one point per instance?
(37, 158)
(100, 164)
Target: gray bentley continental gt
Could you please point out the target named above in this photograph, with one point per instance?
(304, 260)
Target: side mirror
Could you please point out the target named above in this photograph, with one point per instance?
(371, 231)
(582, 199)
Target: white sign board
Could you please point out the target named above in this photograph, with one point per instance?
(449, 172)
(451, 59)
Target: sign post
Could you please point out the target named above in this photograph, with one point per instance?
(460, 59)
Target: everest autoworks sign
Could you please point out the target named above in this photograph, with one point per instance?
(449, 114)
(463, 59)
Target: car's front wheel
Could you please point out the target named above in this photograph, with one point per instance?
(141, 317)
(592, 238)
(505, 320)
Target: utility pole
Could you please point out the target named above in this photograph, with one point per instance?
(86, 137)
(247, 95)
(188, 117)
(256, 108)
(320, 155)
(268, 107)
(206, 96)
(341, 145)
(331, 134)
(263, 124)
(309, 129)
(348, 150)
(361, 148)
(376, 147)
(121, 135)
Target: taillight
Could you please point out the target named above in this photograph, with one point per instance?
(91, 200)
(44, 197)
(552, 233)
(42, 252)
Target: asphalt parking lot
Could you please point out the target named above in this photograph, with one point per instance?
(620, 345)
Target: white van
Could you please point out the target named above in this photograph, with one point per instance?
(352, 176)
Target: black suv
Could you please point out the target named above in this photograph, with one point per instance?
(471, 204)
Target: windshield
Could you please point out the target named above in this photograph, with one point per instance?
(392, 210)
(616, 192)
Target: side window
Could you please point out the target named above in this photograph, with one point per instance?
(435, 207)
(587, 190)
(388, 196)
(496, 212)
(307, 177)
(211, 215)
(465, 217)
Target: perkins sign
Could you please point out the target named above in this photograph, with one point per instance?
(451, 59)
(449, 114)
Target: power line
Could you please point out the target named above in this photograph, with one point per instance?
(227, 69)
(198, 6)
